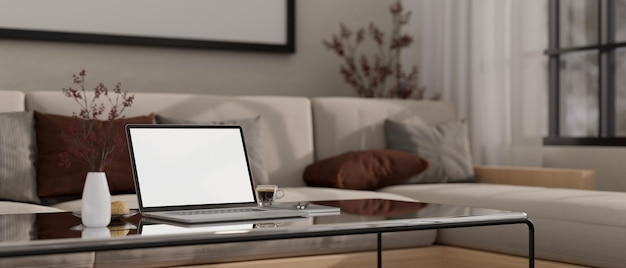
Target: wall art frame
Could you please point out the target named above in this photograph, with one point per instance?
(244, 25)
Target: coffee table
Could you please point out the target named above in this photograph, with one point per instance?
(61, 232)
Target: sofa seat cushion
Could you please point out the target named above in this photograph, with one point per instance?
(585, 206)
(9, 207)
(580, 226)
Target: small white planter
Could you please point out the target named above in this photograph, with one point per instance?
(96, 202)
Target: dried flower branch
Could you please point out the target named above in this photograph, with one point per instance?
(382, 74)
(90, 144)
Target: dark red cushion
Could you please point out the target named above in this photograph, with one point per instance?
(54, 180)
(364, 170)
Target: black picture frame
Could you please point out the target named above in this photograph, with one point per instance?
(81, 37)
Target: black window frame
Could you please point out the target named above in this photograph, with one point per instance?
(605, 48)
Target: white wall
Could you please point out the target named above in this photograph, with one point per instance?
(311, 71)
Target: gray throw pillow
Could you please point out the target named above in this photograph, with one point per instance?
(445, 147)
(252, 135)
(18, 153)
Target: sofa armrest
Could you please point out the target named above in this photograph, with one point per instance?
(536, 176)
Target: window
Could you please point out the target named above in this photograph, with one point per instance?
(587, 72)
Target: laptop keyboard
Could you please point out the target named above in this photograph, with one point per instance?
(214, 211)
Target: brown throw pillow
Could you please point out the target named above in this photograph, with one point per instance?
(364, 170)
(54, 180)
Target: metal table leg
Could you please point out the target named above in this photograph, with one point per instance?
(379, 250)
(531, 244)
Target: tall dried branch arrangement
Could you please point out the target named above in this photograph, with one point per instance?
(93, 139)
(382, 74)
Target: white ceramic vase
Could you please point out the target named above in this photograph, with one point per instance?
(96, 202)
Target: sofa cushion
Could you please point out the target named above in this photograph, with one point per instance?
(11, 207)
(53, 180)
(584, 226)
(17, 157)
(251, 133)
(344, 124)
(286, 122)
(12, 101)
(445, 146)
(364, 170)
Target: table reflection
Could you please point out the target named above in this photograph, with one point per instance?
(26, 227)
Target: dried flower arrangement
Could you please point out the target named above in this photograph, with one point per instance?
(93, 139)
(381, 75)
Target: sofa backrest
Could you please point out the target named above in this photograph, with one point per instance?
(286, 124)
(11, 101)
(343, 124)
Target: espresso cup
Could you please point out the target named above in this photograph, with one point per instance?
(266, 194)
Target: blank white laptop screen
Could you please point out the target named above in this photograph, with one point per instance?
(190, 166)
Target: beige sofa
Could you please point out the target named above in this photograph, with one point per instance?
(574, 225)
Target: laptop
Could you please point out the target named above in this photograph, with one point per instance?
(195, 174)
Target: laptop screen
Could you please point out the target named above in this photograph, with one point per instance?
(191, 166)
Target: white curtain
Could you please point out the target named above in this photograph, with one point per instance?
(486, 57)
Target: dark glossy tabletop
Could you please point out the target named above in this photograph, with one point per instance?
(33, 234)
